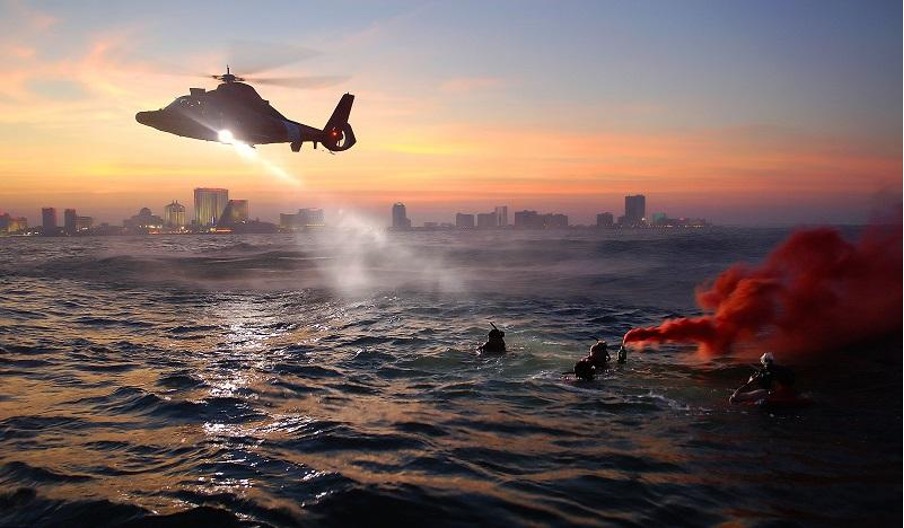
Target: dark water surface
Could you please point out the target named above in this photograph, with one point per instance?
(330, 380)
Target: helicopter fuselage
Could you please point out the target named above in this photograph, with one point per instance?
(237, 108)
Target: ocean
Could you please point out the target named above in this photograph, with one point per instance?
(330, 378)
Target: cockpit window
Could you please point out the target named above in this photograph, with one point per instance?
(185, 103)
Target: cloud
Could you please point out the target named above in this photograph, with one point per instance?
(18, 52)
(21, 16)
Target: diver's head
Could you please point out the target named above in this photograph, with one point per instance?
(584, 370)
(599, 347)
(766, 359)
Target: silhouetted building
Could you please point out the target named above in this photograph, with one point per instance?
(528, 220)
(605, 220)
(312, 217)
(174, 216)
(487, 221)
(400, 217)
(303, 219)
(209, 205)
(555, 221)
(502, 216)
(49, 220)
(533, 220)
(464, 221)
(635, 210)
(70, 219)
(663, 220)
(143, 222)
(10, 224)
(15, 224)
(83, 224)
(236, 212)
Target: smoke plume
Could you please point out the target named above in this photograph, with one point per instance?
(815, 293)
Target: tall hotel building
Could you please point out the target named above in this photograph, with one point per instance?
(70, 221)
(635, 209)
(209, 205)
(502, 216)
(400, 217)
(174, 215)
(49, 219)
(236, 212)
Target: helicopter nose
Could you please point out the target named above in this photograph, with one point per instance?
(145, 118)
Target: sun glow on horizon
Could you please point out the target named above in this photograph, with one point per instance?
(738, 114)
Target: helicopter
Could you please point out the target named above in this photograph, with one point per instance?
(234, 112)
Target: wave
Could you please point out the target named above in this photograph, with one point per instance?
(138, 390)
(27, 507)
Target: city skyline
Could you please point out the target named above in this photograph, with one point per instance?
(420, 216)
(214, 202)
(779, 111)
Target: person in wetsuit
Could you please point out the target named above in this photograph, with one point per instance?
(622, 353)
(770, 381)
(598, 359)
(495, 343)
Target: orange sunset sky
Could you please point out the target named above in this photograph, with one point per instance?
(766, 112)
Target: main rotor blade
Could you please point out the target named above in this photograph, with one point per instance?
(300, 82)
(248, 57)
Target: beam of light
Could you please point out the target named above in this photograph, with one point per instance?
(249, 154)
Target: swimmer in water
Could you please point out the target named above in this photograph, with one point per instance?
(597, 360)
(495, 343)
(770, 381)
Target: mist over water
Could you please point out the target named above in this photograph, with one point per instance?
(329, 378)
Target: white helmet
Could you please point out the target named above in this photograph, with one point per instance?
(766, 358)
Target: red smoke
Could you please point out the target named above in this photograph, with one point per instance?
(816, 292)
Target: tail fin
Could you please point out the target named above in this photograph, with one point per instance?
(341, 113)
(338, 134)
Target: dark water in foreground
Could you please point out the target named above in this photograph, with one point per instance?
(330, 380)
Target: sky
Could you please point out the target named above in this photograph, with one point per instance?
(743, 112)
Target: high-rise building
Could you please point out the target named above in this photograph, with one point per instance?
(502, 216)
(84, 223)
(49, 220)
(10, 224)
(209, 205)
(555, 221)
(605, 220)
(487, 220)
(635, 209)
(174, 215)
(528, 220)
(236, 212)
(303, 219)
(400, 217)
(464, 221)
(70, 221)
(312, 217)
